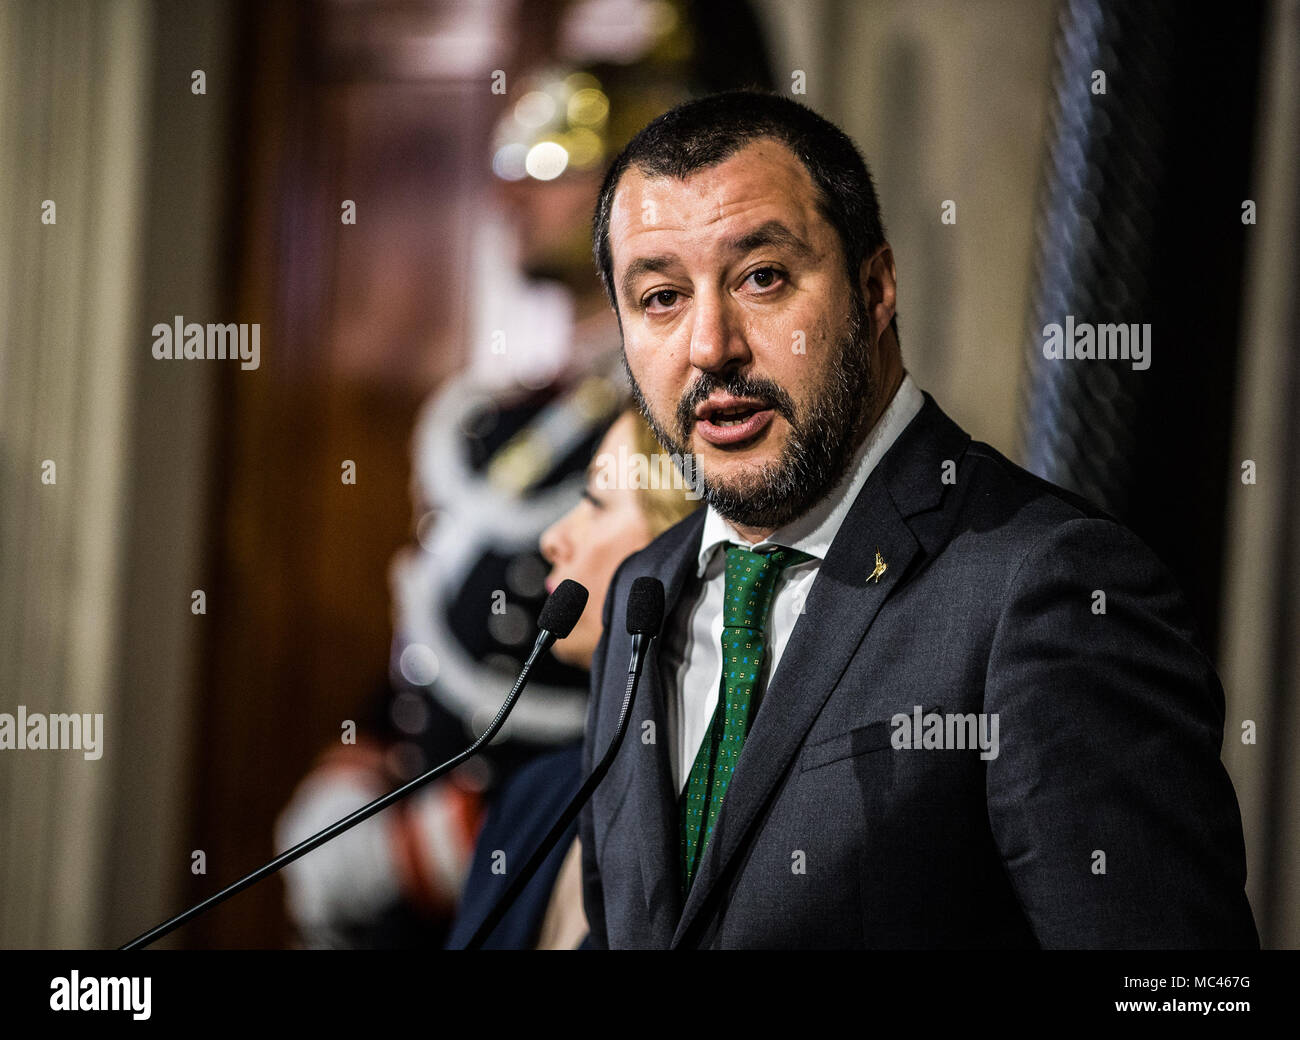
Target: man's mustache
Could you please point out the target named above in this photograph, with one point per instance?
(758, 389)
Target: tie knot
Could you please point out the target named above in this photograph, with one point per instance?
(751, 583)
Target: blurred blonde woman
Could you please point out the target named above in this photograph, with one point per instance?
(612, 520)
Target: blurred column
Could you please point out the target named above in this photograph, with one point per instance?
(98, 115)
(1260, 648)
(1139, 224)
(72, 92)
(1105, 171)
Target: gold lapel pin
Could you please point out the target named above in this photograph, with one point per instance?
(881, 567)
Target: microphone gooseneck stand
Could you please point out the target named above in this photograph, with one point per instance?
(645, 611)
(557, 619)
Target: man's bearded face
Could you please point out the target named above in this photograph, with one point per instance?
(745, 343)
(816, 452)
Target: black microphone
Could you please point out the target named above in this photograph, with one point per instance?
(645, 616)
(559, 614)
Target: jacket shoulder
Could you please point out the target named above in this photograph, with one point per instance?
(1000, 487)
(1012, 527)
(972, 506)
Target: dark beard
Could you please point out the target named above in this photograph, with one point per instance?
(817, 451)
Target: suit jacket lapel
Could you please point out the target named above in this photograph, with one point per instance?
(654, 801)
(839, 609)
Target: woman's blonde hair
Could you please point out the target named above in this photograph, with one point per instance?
(663, 506)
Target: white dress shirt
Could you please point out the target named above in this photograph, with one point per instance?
(692, 650)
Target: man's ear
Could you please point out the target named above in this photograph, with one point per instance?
(877, 278)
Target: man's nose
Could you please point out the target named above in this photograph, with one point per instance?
(717, 338)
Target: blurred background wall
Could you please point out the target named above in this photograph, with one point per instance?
(95, 569)
(224, 206)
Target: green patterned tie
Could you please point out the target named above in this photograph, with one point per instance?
(747, 601)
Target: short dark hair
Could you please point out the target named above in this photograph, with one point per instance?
(709, 130)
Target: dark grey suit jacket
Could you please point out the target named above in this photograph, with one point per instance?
(1110, 727)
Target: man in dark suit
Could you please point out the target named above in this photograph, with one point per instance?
(907, 694)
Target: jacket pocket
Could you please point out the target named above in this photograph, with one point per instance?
(861, 740)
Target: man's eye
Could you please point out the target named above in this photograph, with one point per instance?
(664, 298)
(765, 277)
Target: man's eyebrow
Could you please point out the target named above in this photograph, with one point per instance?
(643, 265)
(771, 233)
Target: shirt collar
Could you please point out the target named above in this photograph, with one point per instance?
(813, 532)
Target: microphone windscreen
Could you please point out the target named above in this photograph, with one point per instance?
(645, 606)
(563, 608)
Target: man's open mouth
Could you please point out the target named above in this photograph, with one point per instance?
(732, 417)
(729, 421)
